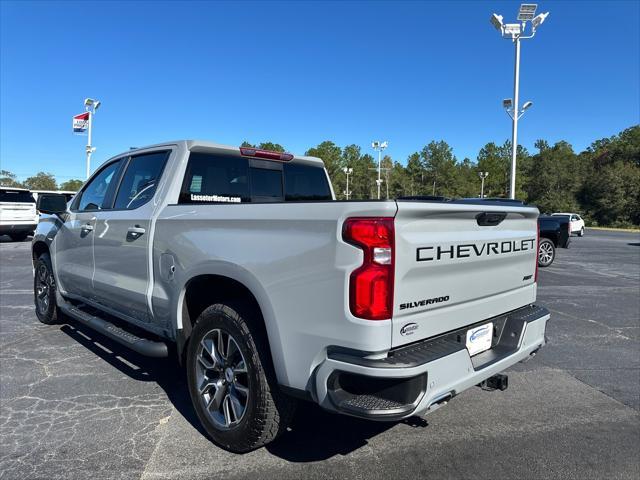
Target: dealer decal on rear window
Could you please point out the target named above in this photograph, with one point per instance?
(214, 198)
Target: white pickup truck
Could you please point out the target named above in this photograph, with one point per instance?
(273, 291)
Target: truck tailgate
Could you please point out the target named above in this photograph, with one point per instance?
(459, 263)
(18, 211)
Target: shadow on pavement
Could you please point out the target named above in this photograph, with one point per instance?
(314, 435)
(166, 372)
(318, 435)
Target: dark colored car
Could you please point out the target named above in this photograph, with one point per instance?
(555, 232)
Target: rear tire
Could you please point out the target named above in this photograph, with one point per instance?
(231, 381)
(546, 253)
(44, 291)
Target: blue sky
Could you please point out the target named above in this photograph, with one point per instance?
(300, 73)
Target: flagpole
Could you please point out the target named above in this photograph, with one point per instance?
(90, 105)
(89, 143)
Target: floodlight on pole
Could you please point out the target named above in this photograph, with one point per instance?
(379, 147)
(90, 105)
(536, 22)
(516, 32)
(497, 22)
(482, 176)
(347, 171)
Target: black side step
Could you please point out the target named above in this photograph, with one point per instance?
(143, 346)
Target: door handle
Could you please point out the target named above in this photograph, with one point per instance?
(87, 227)
(135, 232)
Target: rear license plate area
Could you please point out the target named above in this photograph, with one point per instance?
(479, 338)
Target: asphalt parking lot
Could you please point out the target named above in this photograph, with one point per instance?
(75, 405)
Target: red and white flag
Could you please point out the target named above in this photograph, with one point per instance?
(81, 123)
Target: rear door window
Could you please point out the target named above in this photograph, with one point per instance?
(140, 180)
(16, 196)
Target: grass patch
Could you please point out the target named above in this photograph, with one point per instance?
(616, 229)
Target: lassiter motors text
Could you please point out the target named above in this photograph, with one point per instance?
(427, 254)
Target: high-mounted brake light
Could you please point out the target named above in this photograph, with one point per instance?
(266, 154)
(371, 284)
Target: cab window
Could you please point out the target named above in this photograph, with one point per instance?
(305, 183)
(139, 182)
(94, 195)
(215, 179)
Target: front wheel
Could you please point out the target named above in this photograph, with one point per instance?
(546, 253)
(44, 291)
(231, 383)
(581, 233)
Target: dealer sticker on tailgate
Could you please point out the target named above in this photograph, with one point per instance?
(479, 338)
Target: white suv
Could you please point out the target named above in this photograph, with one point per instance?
(18, 215)
(577, 223)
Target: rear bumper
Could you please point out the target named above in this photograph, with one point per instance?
(418, 378)
(8, 227)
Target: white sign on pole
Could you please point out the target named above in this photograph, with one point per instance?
(81, 123)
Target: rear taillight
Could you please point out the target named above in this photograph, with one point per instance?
(371, 284)
(266, 154)
(537, 250)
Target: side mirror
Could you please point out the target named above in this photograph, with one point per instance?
(52, 203)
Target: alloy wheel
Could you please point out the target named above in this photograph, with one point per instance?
(545, 255)
(45, 285)
(222, 379)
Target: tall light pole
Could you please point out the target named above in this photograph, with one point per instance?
(347, 171)
(516, 32)
(90, 105)
(379, 147)
(482, 176)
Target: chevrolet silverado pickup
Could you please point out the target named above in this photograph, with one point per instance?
(241, 263)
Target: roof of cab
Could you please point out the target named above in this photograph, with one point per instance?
(200, 145)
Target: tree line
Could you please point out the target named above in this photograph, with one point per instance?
(602, 182)
(39, 181)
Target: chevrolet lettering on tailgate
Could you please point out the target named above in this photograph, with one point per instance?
(438, 252)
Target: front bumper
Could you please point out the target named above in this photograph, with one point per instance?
(418, 378)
